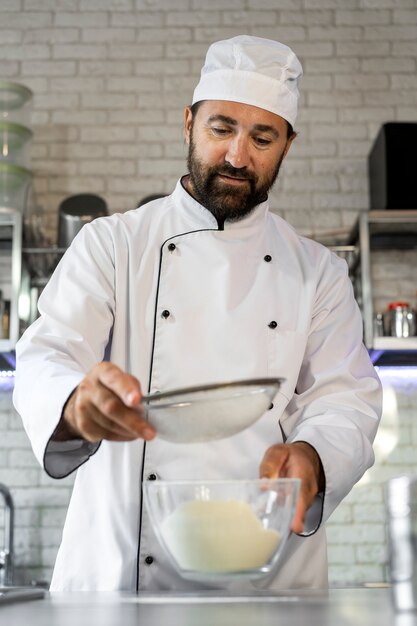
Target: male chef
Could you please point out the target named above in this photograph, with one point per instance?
(202, 286)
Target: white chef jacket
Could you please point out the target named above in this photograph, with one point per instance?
(170, 298)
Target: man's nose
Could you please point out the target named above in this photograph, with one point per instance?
(238, 152)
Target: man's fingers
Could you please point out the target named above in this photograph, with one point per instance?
(275, 465)
(123, 385)
(94, 425)
(297, 525)
(101, 409)
(297, 460)
(106, 405)
(274, 461)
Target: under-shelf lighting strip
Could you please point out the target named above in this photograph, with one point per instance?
(7, 373)
(406, 373)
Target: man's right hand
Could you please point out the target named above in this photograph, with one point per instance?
(105, 405)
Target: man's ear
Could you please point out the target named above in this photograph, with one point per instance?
(188, 116)
(288, 144)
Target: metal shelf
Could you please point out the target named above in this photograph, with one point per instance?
(348, 252)
(395, 343)
(376, 230)
(41, 262)
(11, 230)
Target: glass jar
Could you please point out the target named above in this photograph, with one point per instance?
(14, 143)
(15, 100)
(15, 182)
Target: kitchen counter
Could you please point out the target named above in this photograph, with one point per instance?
(341, 607)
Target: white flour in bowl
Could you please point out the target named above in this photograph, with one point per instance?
(218, 536)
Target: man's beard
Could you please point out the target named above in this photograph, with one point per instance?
(227, 202)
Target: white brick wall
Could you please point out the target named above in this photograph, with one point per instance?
(111, 78)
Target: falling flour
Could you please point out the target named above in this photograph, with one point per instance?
(218, 536)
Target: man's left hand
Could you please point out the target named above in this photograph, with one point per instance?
(296, 460)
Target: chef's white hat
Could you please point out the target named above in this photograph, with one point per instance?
(252, 70)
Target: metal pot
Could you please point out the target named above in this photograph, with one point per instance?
(400, 320)
(76, 211)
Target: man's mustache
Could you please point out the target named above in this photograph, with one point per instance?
(229, 170)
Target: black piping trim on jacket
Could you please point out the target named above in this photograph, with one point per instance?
(71, 471)
(319, 523)
(190, 232)
(50, 440)
(313, 532)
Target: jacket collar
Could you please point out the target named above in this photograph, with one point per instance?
(200, 217)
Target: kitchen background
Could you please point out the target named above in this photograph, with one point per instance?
(110, 79)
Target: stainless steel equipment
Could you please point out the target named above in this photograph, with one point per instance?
(7, 552)
(14, 594)
(74, 212)
(401, 506)
(400, 320)
(41, 256)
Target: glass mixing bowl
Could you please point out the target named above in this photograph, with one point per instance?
(221, 530)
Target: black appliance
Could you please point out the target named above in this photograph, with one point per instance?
(392, 166)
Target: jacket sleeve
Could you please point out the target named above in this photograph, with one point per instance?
(337, 403)
(69, 337)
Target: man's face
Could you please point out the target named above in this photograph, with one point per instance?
(235, 152)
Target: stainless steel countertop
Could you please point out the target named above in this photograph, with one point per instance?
(341, 607)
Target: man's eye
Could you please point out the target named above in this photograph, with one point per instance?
(219, 131)
(262, 141)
